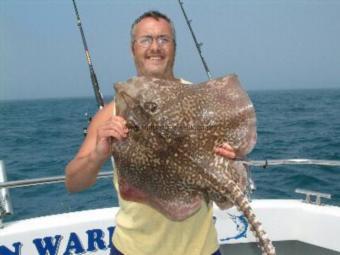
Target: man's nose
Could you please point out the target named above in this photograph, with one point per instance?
(154, 44)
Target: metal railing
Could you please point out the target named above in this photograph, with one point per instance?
(256, 163)
(310, 193)
(276, 162)
(5, 201)
(45, 180)
(6, 206)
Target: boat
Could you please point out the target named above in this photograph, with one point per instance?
(296, 227)
(305, 226)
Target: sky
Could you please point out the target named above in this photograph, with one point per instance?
(269, 44)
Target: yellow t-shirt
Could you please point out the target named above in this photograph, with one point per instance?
(141, 230)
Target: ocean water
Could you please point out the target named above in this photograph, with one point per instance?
(39, 137)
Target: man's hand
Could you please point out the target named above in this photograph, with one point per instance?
(114, 128)
(226, 151)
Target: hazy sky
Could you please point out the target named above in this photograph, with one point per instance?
(269, 44)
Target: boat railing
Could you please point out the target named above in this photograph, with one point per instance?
(6, 205)
(5, 201)
(256, 163)
(313, 194)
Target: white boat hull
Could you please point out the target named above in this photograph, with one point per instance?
(90, 231)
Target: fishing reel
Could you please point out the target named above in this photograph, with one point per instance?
(89, 118)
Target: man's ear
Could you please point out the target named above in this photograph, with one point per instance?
(132, 49)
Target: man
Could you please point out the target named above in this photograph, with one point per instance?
(141, 229)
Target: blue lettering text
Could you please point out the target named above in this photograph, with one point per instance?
(5, 251)
(95, 240)
(48, 245)
(74, 245)
(111, 230)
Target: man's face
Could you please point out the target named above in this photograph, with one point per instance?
(155, 60)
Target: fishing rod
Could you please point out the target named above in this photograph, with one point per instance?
(198, 45)
(95, 85)
(105, 174)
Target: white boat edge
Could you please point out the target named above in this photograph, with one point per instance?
(90, 231)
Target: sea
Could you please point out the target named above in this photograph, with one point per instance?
(39, 137)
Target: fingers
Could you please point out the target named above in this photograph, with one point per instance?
(118, 124)
(114, 127)
(225, 150)
(118, 120)
(109, 131)
(227, 147)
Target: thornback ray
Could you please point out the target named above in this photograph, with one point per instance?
(168, 160)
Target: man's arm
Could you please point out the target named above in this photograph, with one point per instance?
(82, 170)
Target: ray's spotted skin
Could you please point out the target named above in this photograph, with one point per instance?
(168, 160)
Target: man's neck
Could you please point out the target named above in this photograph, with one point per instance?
(163, 77)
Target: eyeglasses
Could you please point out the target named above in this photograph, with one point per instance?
(147, 40)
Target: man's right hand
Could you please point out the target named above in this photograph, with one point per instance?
(113, 128)
(82, 170)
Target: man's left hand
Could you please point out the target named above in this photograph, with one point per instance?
(225, 150)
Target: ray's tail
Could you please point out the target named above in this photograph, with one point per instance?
(242, 203)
